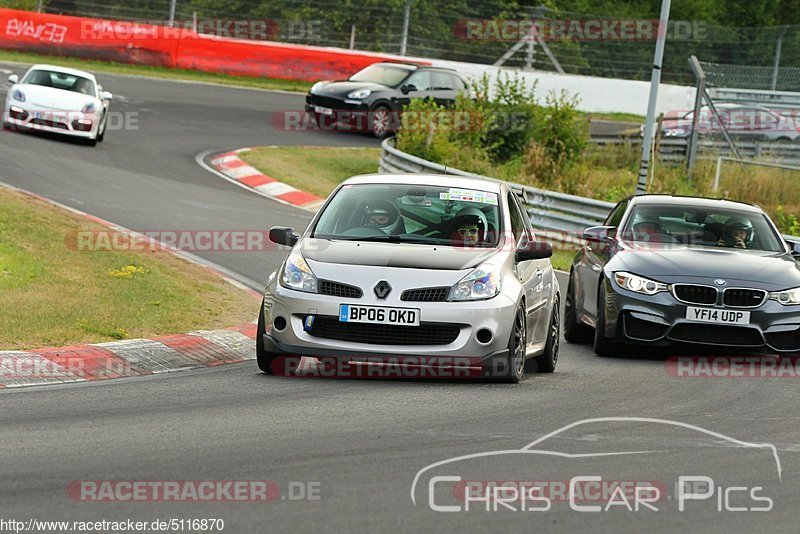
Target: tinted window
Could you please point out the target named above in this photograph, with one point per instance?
(420, 80)
(382, 74)
(59, 80)
(441, 81)
(517, 221)
(412, 213)
(615, 217)
(701, 227)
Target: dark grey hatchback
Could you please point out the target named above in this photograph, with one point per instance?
(666, 269)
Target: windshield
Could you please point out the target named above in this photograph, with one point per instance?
(701, 227)
(382, 74)
(411, 214)
(60, 80)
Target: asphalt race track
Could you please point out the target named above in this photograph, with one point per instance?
(355, 446)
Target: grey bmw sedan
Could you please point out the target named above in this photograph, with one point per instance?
(665, 269)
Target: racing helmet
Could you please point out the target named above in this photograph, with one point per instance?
(735, 224)
(382, 214)
(470, 216)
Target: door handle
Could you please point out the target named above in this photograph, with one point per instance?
(596, 268)
(538, 272)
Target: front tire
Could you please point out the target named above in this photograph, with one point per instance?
(602, 345)
(574, 330)
(548, 360)
(512, 368)
(380, 122)
(101, 130)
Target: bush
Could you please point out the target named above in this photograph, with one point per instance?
(501, 131)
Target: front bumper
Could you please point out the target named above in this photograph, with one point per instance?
(289, 308)
(60, 122)
(661, 320)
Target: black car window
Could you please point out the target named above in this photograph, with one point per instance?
(615, 217)
(517, 221)
(420, 80)
(458, 83)
(441, 81)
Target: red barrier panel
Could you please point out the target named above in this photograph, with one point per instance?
(148, 44)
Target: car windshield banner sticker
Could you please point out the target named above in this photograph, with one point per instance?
(468, 195)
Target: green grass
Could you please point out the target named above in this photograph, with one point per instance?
(615, 116)
(52, 294)
(156, 72)
(316, 170)
(562, 259)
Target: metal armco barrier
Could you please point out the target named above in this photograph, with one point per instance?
(559, 213)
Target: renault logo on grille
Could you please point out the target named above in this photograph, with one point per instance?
(382, 289)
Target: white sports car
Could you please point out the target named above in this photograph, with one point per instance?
(58, 100)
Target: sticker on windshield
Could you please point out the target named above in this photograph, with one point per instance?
(468, 195)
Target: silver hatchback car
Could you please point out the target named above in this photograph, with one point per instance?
(417, 269)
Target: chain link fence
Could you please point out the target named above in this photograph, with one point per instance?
(444, 30)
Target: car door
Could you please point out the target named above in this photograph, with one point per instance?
(547, 283)
(594, 258)
(443, 88)
(529, 273)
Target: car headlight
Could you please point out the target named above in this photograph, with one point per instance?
(317, 86)
(787, 297)
(91, 107)
(18, 95)
(674, 132)
(297, 274)
(482, 283)
(638, 284)
(358, 95)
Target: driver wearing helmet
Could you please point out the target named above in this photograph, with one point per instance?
(738, 233)
(383, 215)
(470, 226)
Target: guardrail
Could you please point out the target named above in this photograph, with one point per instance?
(672, 149)
(558, 214)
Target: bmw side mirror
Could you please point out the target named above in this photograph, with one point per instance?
(13, 78)
(536, 250)
(794, 245)
(408, 89)
(599, 234)
(105, 95)
(283, 235)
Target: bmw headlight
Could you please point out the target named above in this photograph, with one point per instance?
(482, 283)
(358, 95)
(787, 297)
(89, 108)
(18, 95)
(297, 274)
(316, 86)
(638, 284)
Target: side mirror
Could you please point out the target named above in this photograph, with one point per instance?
(105, 95)
(794, 245)
(283, 235)
(13, 78)
(599, 234)
(536, 250)
(408, 89)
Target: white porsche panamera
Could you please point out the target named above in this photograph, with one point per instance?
(58, 100)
